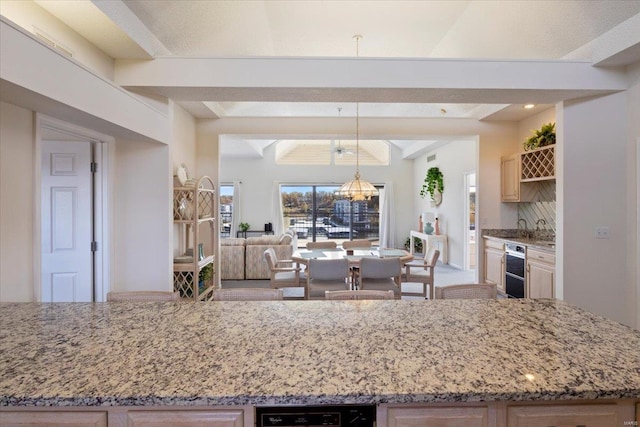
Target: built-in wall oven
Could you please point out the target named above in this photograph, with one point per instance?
(514, 272)
(316, 415)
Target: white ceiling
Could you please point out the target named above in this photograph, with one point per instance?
(510, 29)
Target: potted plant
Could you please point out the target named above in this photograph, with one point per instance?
(244, 226)
(542, 137)
(417, 244)
(433, 183)
(205, 275)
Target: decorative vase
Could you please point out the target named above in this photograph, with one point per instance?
(437, 230)
(428, 229)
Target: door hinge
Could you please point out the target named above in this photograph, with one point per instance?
(94, 246)
(94, 167)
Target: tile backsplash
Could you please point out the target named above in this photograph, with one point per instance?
(544, 209)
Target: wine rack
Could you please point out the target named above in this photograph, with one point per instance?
(538, 164)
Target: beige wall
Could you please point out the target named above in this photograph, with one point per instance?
(28, 14)
(141, 217)
(633, 190)
(593, 140)
(532, 123)
(16, 203)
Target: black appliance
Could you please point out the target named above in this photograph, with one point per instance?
(316, 415)
(514, 272)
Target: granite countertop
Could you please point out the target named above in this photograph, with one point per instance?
(543, 242)
(303, 352)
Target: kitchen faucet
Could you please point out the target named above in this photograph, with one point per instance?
(541, 220)
(526, 229)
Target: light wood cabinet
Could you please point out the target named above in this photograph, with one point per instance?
(52, 419)
(521, 174)
(510, 178)
(541, 270)
(563, 415)
(441, 417)
(178, 418)
(494, 263)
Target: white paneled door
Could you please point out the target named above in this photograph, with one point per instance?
(67, 221)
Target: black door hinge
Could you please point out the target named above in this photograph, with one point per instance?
(94, 167)
(94, 246)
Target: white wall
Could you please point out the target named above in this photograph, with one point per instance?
(633, 191)
(454, 160)
(535, 122)
(16, 203)
(142, 217)
(593, 192)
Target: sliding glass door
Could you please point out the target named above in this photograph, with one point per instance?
(315, 213)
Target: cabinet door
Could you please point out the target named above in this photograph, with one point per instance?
(493, 267)
(438, 417)
(510, 178)
(52, 419)
(563, 416)
(177, 418)
(540, 280)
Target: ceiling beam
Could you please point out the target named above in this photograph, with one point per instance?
(368, 80)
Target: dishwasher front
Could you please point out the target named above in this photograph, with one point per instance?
(316, 415)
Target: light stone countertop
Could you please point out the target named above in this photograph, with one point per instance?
(311, 352)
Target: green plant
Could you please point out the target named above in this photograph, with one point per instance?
(434, 179)
(542, 137)
(417, 244)
(244, 226)
(206, 273)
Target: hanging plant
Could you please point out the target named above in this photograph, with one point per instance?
(546, 135)
(432, 181)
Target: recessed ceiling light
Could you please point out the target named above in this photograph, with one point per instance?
(529, 106)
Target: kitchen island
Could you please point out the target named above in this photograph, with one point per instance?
(113, 357)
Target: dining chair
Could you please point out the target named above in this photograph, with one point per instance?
(359, 294)
(325, 244)
(422, 271)
(114, 296)
(248, 294)
(356, 244)
(380, 274)
(284, 273)
(467, 291)
(327, 275)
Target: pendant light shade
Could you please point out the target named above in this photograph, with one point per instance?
(357, 189)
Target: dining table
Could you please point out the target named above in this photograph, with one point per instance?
(302, 256)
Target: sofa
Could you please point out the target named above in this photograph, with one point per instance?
(244, 258)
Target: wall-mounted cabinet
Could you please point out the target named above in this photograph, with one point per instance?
(521, 172)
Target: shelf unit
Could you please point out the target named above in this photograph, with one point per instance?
(194, 209)
(538, 164)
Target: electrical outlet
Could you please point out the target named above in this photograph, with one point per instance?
(602, 232)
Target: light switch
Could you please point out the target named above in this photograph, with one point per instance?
(602, 232)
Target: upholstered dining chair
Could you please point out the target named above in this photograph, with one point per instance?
(325, 244)
(248, 294)
(356, 244)
(467, 291)
(327, 275)
(422, 271)
(142, 296)
(284, 273)
(359, 294)
(381, 274)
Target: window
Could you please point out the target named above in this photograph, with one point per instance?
(315, 213)
(226, 210)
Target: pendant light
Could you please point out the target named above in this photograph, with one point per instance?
(357, 189)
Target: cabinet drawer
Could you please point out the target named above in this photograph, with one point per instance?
(53, 419)
(445, 417)
(541, 256)
(494, 244)
(563, 415)
(182, 418)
